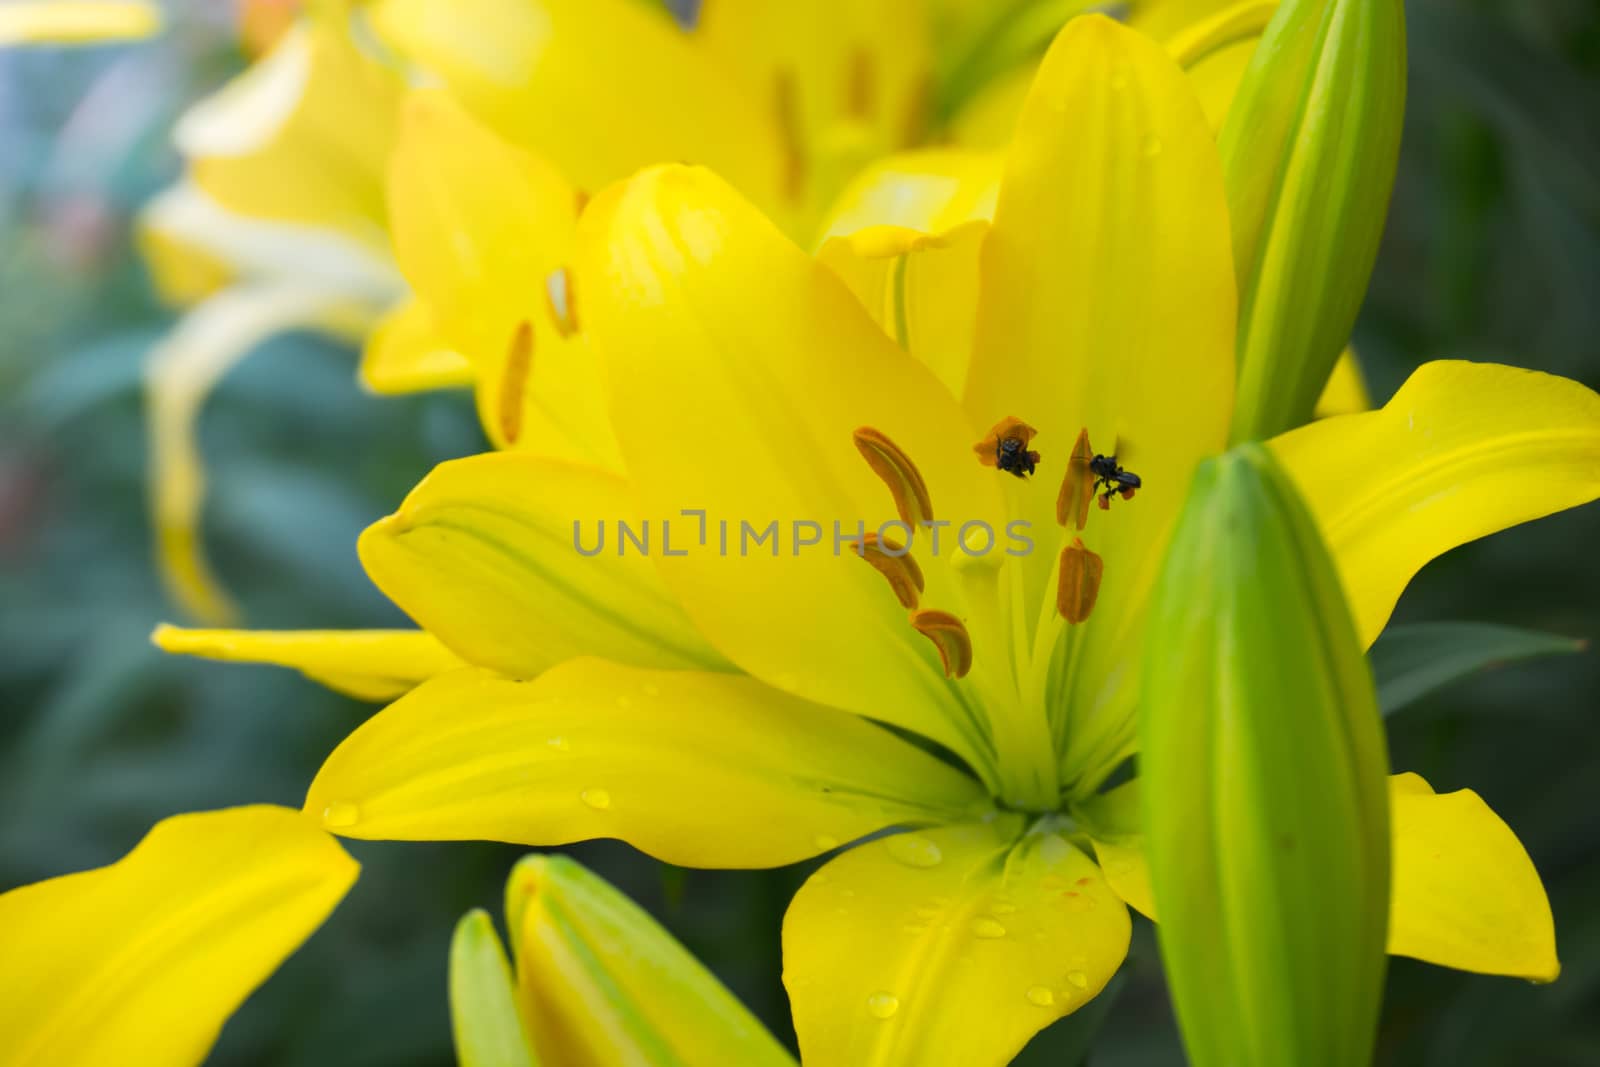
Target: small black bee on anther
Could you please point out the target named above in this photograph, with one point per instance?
(1113, 479)
(1012, 455)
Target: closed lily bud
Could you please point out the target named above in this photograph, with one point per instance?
(1309, 150)
(1263, 773)
(595, 981)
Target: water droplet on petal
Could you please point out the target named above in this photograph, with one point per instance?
(914, 850)
(652, 690)
(1151, 146)
(597, 799)
(987, 929)
(882, 1005)
(341, 814)
(825, 842)
(560, 743)
(1078, 979)
(1041, 996)
(1003, 907)
(624, 702)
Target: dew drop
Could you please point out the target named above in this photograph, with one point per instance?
(1003, 907)
(882, 1005)
(341, 814)
(652, 690)
(1041, 996)
(560, 743)
(914, 850)
(624, 702)
(1078, 979)
(1151, 146)
(987, 929)
(597, 799)
(825, 842)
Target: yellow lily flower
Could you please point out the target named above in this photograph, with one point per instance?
(725, 713)
(144, 960)
(786, 100)
(596, 981)
(65, 22)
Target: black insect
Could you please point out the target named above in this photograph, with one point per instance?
(1012, 455)
(1113, 479)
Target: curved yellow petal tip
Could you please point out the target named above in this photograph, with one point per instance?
(150, 956)
(59, 22)
(1465, 892)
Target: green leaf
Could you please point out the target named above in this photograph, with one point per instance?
(483, 999)
(1411, 662)
(1263, 781)
(1309, 151)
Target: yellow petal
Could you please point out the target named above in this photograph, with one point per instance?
(301, 136)
(144, 960)
(600, 87)
(497, 555)
(182, 370)
(1110, 309)
(1461, 451)
(698, 769)
(1112, 820)
(406, 354)
(846, 80)
(64, 22)
(602, 983)
(947, 946)
(1465, 894)
(1346, 391)
(930, 191)
(740, 371)
(365, 664)
(483, 231)
(921, 290)
(1213, 40)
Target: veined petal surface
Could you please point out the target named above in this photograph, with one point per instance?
(1461, 451)
(953, 945)
(698, 769)
(740, 370)
(518, 562)
(148, 957)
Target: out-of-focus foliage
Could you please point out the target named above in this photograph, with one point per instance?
(1492, 251)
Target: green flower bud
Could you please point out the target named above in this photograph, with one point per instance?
(1309, 151)
(1263, 776)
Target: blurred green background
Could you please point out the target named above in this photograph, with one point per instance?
(1492, 252)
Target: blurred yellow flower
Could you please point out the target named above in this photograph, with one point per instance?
(67, 22)
(280, 222)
